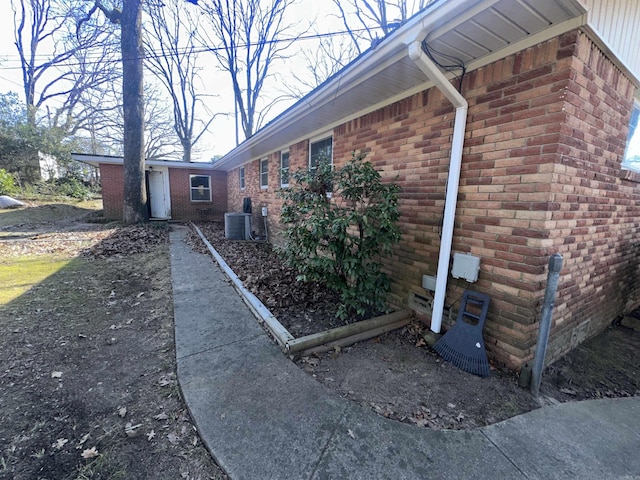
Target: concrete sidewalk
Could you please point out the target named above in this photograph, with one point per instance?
(263, 418)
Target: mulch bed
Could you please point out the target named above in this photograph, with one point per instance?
(302, 308)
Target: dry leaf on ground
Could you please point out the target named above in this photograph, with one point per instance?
(90, 453)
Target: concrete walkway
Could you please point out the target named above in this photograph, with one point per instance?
(263, 418)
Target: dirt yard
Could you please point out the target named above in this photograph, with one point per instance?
(87, 369)
(399, 376)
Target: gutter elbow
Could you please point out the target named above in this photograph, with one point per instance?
(430, 69)
(415, 50)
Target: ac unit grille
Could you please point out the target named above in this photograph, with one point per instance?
(237, 226)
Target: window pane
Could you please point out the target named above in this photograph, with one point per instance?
(242, 178)
(284, 168)
(632, 152)
(200, 181)
(200, 188)
(264, 173)
(320, 150)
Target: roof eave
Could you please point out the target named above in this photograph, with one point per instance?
(97, 160)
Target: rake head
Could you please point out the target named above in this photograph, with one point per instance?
(472, 360)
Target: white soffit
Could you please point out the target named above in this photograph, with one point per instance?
(498, 26)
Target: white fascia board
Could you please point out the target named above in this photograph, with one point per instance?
(97, 160)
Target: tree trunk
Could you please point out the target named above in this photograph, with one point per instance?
(186, 149)
(135, 195)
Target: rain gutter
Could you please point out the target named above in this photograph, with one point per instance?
(424, 63)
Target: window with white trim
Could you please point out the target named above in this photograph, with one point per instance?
(631, 159)
(320, 150)
(284, 169)
(200, 188)
(241, 178)
(264, 173)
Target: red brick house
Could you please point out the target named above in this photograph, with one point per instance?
(176, 190)
(525, 160)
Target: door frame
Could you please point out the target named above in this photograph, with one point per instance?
(156, 191)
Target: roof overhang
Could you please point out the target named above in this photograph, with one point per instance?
(97, 160)
(477, 32)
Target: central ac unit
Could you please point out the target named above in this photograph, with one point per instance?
(237, 226)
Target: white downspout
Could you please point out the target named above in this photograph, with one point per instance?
(440, 80)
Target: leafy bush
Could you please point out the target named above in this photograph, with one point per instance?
(337, 225)
(72, 186)
(7, 183)
(69, 186)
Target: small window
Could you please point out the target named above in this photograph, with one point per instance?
(200, 188)
(241, 178)
(631, 159)
(322, 150)
(284, 169)
(264, 173)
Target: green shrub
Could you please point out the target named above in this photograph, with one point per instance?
(7, 183)
(337, 225)
(72, 186)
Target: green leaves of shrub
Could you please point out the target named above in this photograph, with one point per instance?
(7, 183)
(337, 226)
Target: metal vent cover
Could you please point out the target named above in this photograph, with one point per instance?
(237, 226)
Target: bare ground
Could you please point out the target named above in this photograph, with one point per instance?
(87, 370)
(398, 376)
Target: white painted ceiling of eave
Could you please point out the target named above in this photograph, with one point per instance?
(506, 22)
(490, 30)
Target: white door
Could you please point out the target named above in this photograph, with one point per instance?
(157, 197)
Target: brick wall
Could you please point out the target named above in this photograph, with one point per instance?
(265, 197)
(182, 208)
(597, 223)
(112, 183)
(540, 174)
(504, 216)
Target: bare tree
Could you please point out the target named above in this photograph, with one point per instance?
(248, 37)
(63, 74)
(135, 194)
(91, 75)
(172, 56)
(160, 140)
(330, 55)
(159, 134)
(368, 21)
(130, 20)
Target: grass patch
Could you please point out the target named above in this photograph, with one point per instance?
(19, 274)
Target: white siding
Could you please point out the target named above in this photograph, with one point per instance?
(617, 23)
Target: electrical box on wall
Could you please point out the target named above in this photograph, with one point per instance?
(465, 266)
(429, 282)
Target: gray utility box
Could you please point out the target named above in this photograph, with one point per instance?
(465, 266)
